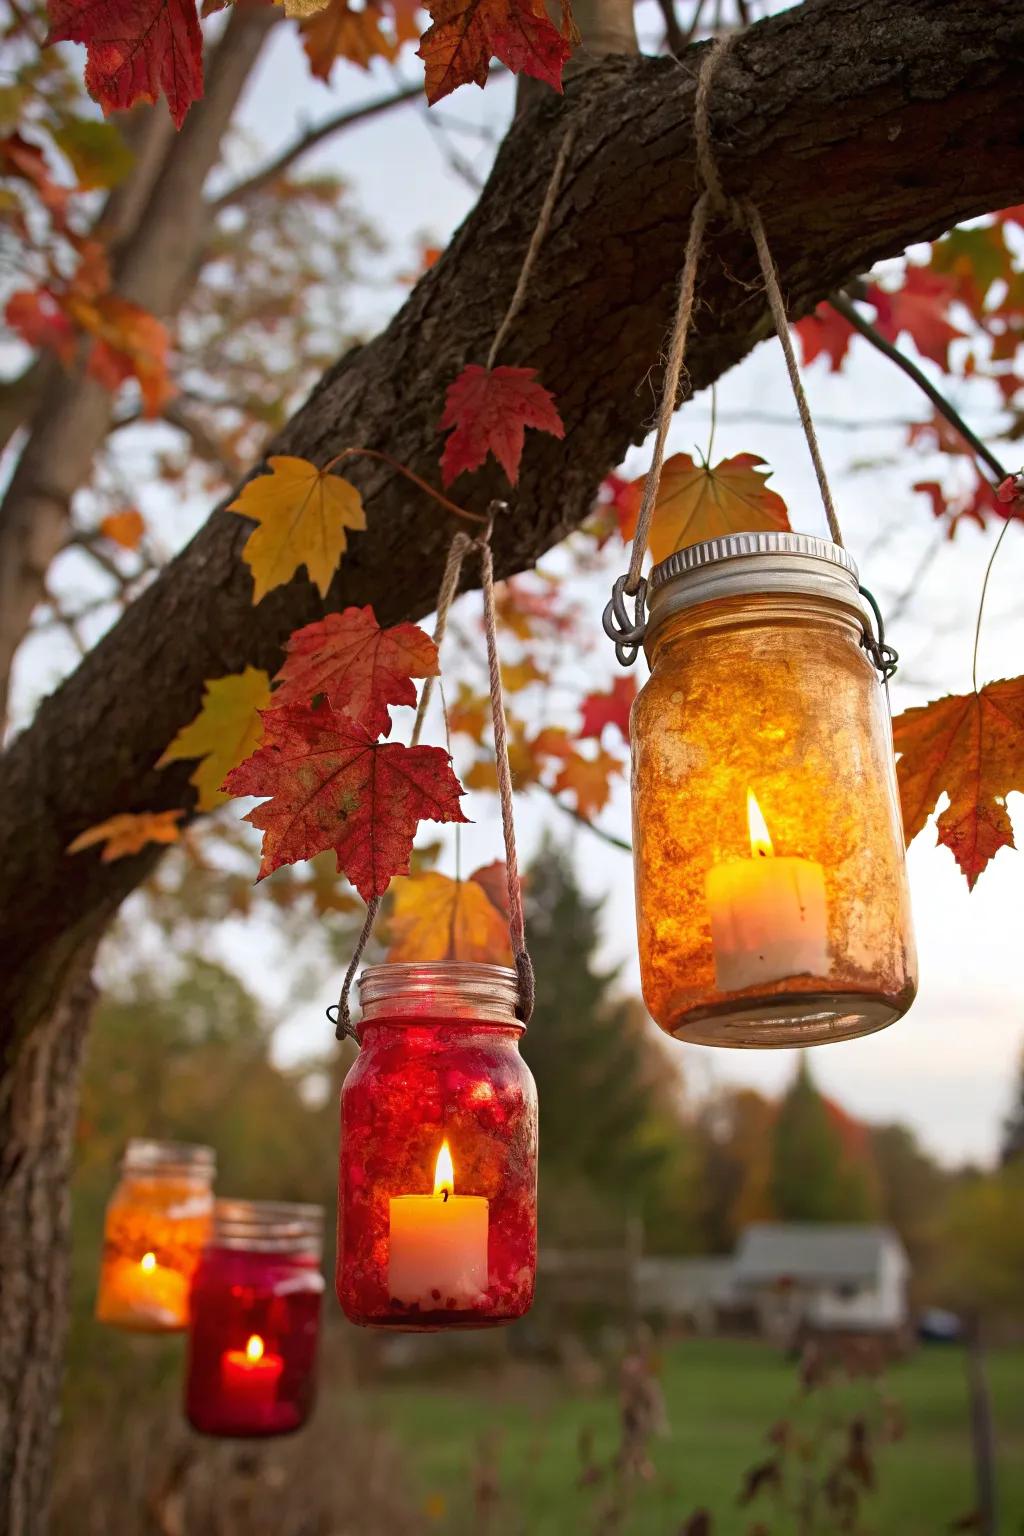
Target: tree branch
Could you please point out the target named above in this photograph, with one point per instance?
(805, 109)
(849, 311)
(268, 174)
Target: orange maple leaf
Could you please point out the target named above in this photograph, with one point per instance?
(359, 667)
(436, 918)
(129, 833)
(697, 502)
(588, 780)
(130, 343)
(971, 747)
(467, 34)
(339, 32)
(124, 527)
(333, 786)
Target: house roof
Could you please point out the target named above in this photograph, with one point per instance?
(812, 1251)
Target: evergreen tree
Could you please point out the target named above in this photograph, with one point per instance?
(1012, 1150)
(812, 1180)
(607, 1122)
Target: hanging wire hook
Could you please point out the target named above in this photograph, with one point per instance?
(627, 635)
(885, 657)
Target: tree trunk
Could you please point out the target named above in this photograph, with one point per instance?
(38, 1108)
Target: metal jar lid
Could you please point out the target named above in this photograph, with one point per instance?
(750, 564)
(268, 1226)
(176, 1159)
(443, 989)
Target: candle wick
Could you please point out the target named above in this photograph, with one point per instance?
(444, 1195)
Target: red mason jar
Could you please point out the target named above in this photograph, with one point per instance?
(437, 1186)
(256, 1320)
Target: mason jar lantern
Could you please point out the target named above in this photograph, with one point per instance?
(437, 1187)
(771, 889)
(156, 1223)
(256, 1301)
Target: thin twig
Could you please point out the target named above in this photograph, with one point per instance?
(842, 305)
(981, 602)
(675, 42)
(255, 183)
(581, 820)
(385, 458)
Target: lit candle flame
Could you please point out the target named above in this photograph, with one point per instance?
(760, 842)
(444, 1173)
(148, 1263)
(254, 1348)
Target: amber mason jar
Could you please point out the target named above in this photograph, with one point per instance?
(771, 888)
(157, 1221)
(437, 1180)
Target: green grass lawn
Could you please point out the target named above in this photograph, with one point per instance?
(721, 1398)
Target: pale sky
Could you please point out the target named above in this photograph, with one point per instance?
(948, 1069)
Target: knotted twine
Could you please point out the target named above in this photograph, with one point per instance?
(744, 213)
(460, 547)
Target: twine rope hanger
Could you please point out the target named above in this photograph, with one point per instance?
(340, 1013)
(713, 200)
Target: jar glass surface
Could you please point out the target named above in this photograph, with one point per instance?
(772, 898)
(252, 1353)
(423, 1245)
(156, 1224)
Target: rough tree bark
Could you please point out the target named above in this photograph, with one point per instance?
(858, 126)
(38, 1107)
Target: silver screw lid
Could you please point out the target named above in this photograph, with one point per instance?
(749, 564)
(453, 989)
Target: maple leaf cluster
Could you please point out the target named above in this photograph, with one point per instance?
(139, 50)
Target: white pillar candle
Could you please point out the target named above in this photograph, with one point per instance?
(767, 914)
(437, 1256)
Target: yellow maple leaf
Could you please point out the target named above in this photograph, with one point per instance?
(226, 730)
(298, 9)
(129, 833)
(436, 918)
(302, 514)
(696, 502)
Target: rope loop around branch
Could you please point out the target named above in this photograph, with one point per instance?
(712, 200)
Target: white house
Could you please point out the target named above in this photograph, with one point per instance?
(826, 1277)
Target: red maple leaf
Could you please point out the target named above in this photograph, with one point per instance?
(467, 34)
(359, 667)
(38, 318)
(489, 409)
(332, 786)
(919, 308)
(20, 158)
(975, 505)
(825, 333)
(136, 49)
(612, 708)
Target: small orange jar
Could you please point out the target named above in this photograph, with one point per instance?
(157, 1222)
(771, 888)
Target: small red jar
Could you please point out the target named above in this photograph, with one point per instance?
(437, 1186)
(256, 1320)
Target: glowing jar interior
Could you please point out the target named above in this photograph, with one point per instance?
(437, 1179)
(772, 900)
(156, 1223)
(255, 1327)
